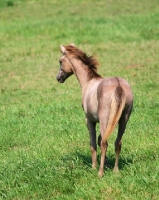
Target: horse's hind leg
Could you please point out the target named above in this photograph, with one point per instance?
(92, 131)
(103, 145)
(103, 114)
(118, 143)
(99, 144)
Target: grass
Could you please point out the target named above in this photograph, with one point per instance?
(44, 143)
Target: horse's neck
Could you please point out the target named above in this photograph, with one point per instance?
(80, 71)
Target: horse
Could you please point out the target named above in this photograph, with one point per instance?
(107, 101)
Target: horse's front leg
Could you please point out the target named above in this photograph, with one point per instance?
(92, 132)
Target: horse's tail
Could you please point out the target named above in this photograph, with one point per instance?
(117, 105)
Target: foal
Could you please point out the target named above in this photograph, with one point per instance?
(105, 100)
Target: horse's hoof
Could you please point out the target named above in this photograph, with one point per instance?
(116, 169)
(100, 174)
(93, 167)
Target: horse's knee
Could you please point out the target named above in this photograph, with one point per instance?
(93, 146)
(93, 150)
(117, 145)
(100, 142)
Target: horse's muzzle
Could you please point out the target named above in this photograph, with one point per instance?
(59, 79)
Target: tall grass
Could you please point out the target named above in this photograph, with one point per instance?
(44, 143)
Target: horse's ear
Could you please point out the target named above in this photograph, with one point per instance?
(72, 45)
(62, 48)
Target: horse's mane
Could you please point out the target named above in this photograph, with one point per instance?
(90, 61)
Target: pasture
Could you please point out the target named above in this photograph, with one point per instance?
(44, 142)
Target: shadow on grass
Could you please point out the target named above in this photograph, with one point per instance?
(86, 160)
(123, 162)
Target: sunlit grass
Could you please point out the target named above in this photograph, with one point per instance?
(44, 142)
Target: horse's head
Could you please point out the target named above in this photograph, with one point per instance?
(65, 69)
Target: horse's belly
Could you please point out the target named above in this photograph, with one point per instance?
(91, 112)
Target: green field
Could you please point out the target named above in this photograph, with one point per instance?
(44, 142)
